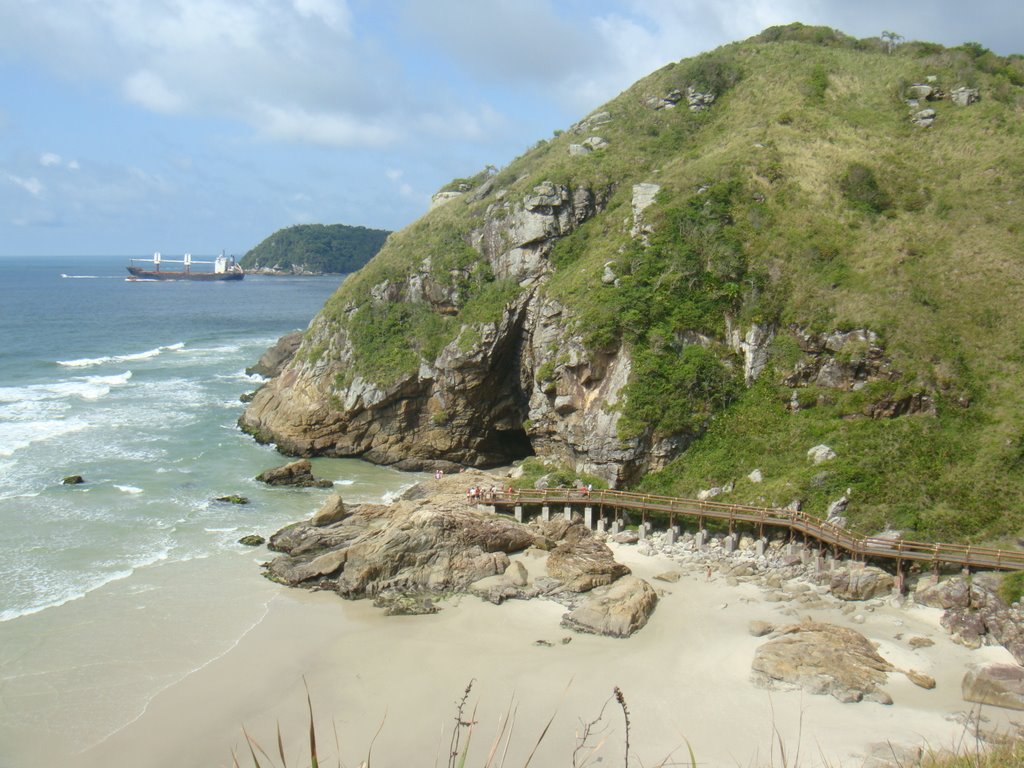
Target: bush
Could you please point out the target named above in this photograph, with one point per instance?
(860, 187)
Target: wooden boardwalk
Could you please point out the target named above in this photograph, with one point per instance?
(612, 503)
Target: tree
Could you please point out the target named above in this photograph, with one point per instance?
(891, 40)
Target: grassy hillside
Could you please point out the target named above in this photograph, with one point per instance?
(804, 197)
(332, 248)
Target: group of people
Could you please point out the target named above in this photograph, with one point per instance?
(476, 493)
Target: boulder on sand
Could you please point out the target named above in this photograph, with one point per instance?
(616, 610)
(823, 659)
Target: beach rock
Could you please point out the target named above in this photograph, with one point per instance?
(252, 540)
(232, 499)
(626, 537)
(73, 480)
(670, 576)
(297, 473)
(758, 628)
(410, 547)
(615, 610)
(999, 685)
(920, 679)
(277, 357)
(862, 583)
(581, 562)
(405, 604)
(516, 574)
(920, 642)
(332, 511)
(822, 659)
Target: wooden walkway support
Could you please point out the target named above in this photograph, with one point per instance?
(859, 547)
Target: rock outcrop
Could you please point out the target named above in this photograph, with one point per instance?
(431, 543)
(823, 659)
(974, 614)
(274, 359)
(297, 473)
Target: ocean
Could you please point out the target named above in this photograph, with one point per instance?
(135, 386)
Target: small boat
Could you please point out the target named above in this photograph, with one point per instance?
(224, 268)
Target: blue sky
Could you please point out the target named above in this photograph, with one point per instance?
(128, 126)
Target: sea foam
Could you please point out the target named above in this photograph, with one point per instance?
(88, 362)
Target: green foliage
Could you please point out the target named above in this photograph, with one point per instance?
(334, 248)
(802, 33)
(817, 83)
(860, 187)
(710, 73)
(1011, 588)
(676, 392)
(535, 468)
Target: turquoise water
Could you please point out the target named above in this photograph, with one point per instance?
(135, 386)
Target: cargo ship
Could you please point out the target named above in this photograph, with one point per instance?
(224, 268)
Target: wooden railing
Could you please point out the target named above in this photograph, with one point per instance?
(860, 547)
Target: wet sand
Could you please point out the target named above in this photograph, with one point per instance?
(685, 678)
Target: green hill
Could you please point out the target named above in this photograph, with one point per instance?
(743, 256)
(316, 248)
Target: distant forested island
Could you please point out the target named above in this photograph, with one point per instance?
(310, 249)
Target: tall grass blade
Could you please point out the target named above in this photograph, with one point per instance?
(469, 737)
(497, 739)
(544, 732)
(313, 761)
(508, 739)
(252, 751)
(280, 746)
(369, 751)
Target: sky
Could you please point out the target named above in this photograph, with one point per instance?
(129, 126)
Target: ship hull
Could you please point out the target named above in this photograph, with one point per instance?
(148, 274)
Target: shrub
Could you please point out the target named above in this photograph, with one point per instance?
(860, 187)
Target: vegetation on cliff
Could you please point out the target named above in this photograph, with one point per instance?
(316, 248)
(799, 218)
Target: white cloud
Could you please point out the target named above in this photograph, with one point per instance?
(394, 174)
(32, 185)
(325, 128)
(335, 14)
(149, 90)
(48, 159)
(73, 165)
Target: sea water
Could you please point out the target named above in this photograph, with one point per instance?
(113, 589)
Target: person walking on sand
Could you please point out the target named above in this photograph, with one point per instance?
(707, 574)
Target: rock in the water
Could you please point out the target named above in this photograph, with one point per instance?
(332, 511)
(1000, 685)
(581, 562)
(73, 480)
(252, 540)
(298, 473)
(616, 610)
(822, 659)
(861, 583)
(275, 358)
(232, 499)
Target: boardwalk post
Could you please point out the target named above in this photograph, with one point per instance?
(545, 513)
(519, 513)
(588, 516)
(568, 512)
(760, 546)
(698, 540)
(600, 524)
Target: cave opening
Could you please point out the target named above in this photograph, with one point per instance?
(503, 446)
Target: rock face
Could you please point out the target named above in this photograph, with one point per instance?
(823, 659)
(333, 511)
(1000, 685)
(297, 473)
(974, 614)
(582, 563)
(275, 358)
(616, 610)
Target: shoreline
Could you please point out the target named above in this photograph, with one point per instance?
(685, 678)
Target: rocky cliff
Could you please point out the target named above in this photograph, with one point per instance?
(743, 256)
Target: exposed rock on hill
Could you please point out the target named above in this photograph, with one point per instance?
(780, 264)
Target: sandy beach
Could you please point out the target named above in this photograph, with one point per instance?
(685, 678)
